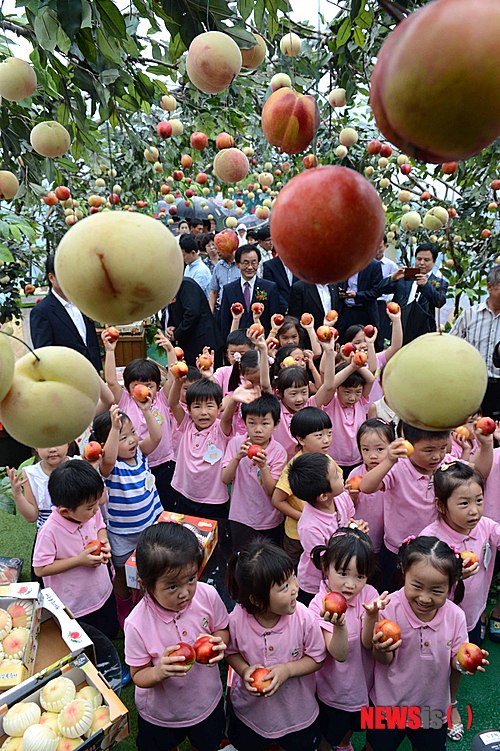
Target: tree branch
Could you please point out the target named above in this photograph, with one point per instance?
(393, 9)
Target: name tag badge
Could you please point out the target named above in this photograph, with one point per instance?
(150, 481)
(487, 555)
(212, 454)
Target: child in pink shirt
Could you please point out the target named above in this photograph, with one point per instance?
(374, 438)
(269, 629)
(317, 480)
(254, 477)
(415, 670)
(175, 700)
(237, 343)
(144, 371)
(343, 682)
(63, 556)
(204, 438)
(245, 370)
(347, 411)
(292, 389)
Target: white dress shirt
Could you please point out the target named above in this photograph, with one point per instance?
(388, 268)
(325, 296)
(75, 315)
(251, 283)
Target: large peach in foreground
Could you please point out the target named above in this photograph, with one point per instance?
(230, 165)
(17, 79)
(341, 202)
(435, 382)
(290, 120)
(102, 266)
(213, 61)
(6, 365)
(50, 139)
(52, 399)
(417, 94)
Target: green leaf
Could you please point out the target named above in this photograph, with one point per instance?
(364, 19)
(245, 7)
(359, 37)
(5, 254)
(258, 14)
(86, 45)
(344, 33)
(45, 28)
(241, 36)
(109, 47)
(70, 16)
(86, 15)
(63, 42)
(176, 47)
(109, 76)
(111, 18)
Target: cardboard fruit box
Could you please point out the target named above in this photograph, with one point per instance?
(83, 673)
(15, 670)
(204, 529)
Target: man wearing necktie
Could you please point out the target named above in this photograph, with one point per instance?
(418, 295)
(55, 321)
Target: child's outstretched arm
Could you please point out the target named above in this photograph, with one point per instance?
(106, 398)
(148, 444)
(260, 344)
(368, 377)
(110, 448)
(483, 458)
(324, 394)
(371, 616)
(336, 641)
(372, 480)
(174, 398)
(110, 366)
(397, 335)
(242, 395)
(370, 345)
(23, 495)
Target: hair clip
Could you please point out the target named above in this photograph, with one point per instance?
(408, 539)
(455, 550)
(237, 356)
(446, 465)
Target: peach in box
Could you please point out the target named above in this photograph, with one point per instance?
(290, 120)
(341, 199)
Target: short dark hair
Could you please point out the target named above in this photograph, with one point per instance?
(308, 476)
(265, 404)
(352, 381)
(443, 558)
(292, 377)
(344, 545)
(284, 352)
(102, 425)
(204, 239)
(451, 476)
(141, 370)
(202, 391)
(309, 420)
(239, 337)
(252, 572)
(49, 265)
(430, 247)
(263, 233)
(351, 332)
(193, 374)
(195, 222)
(244, 249)
(413, 434)
(73, 483)
(376, 425)
(166, 546)
(249, 361)
(188, 244)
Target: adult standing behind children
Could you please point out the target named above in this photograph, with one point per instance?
(195, 268)
(190, 322)
(225, 271)
(55, 321)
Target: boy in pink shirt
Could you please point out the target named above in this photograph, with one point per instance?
(75, 570)
(175, 700)
(317, 480)
(254, 477)
(347, 411)
(409, 501)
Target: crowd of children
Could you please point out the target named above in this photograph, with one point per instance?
(292, 448)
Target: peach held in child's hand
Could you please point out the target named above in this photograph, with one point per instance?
(260, 679)
(140, 392)
(179, 353)
(389, 630)
(324, 333)
(334, 603)
(470, 657)
(409, 448)
(237, 308)
(186, 651)
(258, 308)
(92, 451)
(253, 450)
(204, 649)
(256, 329)
(471, 556)
(360, 358)
(52, 399)
(435, 382)
(179, 369)
(354, 482)
(306, 319)
(486, 425)
(102, 268)
(97, 544)
(112, 333)
(463, 431)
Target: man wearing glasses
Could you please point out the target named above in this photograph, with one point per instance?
(248, 290)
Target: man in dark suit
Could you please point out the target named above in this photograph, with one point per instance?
(248, 290)
(316, 299)
(418, 296)
(191, 324)
(358, 297)
(276, 271)
(55, 321)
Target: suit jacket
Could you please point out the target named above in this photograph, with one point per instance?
(51, 325)
(369, 280)
(304, 298)
(274, 271)
(194, 325)
(264, 291)
(420, 316)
